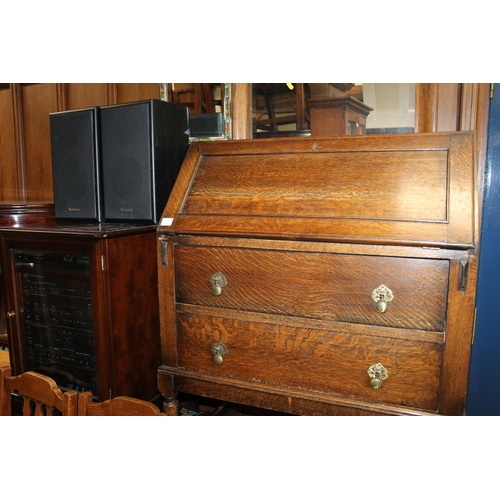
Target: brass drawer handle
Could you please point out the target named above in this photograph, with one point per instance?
(219, 350)
(218, 281)
(377, 374)
(11, 314)
(382, 296)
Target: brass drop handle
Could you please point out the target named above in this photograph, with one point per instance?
(11, 314)
(218, 281)
(219, 350)
(377, 374)
(382, 296)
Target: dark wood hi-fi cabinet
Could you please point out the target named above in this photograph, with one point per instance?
(82, 305)
(331, 276)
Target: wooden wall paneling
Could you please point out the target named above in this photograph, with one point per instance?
(448, 118)
(87, 95)
(437, 107)
(130, 92)
(468, 105)
(479, 123)
(426, 100)
(9, 189)
(37, 102)
(26, 159)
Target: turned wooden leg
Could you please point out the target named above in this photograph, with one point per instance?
(169, 394)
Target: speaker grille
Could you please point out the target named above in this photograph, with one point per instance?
(126, 160)
(143, 145)
(75, 164)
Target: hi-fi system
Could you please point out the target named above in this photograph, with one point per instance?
(57, 306)
(117, 163)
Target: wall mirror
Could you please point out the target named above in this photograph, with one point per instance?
(302, 109)
(210, 108)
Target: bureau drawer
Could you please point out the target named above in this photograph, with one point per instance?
(305, 357)
(332, 287)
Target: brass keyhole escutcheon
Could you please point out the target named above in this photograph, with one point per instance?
(382, 296)
(377, 374)
(218, 281)
(219, 350)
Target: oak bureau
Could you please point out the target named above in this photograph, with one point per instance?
(321, 276)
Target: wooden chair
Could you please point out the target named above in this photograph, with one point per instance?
(295, 111)
(198, 97)
(119, 406)
(40, 394)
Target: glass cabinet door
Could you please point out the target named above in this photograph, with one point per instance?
(55, 302)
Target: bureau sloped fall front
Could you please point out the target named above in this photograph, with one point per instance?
(321, 276)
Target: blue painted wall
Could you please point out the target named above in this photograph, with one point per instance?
(484, 379)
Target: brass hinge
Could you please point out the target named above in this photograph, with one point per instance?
(463, 274)
(492, 90)
(474, 326)
(164, 254)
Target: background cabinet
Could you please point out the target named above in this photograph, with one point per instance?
(338, 116)
(75, 315)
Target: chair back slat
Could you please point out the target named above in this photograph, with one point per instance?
(41, 396)
(115, 407)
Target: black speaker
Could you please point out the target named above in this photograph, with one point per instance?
(143, 145)
(75, 164)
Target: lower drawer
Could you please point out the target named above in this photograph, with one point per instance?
(310, 358)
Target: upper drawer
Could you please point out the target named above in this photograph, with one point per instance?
(410, 189)
(332, 287)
